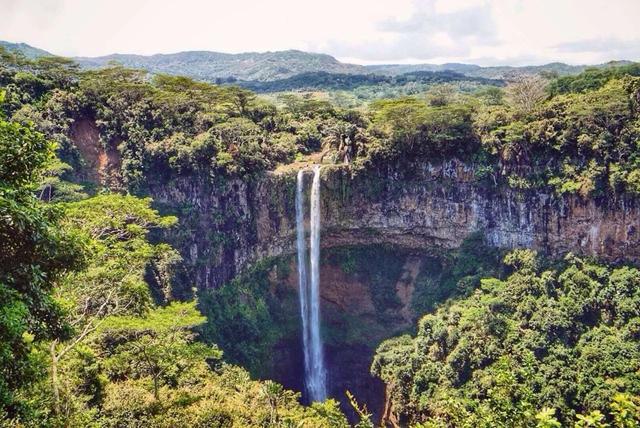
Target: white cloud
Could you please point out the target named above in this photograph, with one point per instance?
(485, 31)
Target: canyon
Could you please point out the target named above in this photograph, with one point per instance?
(415, 221)
(414, 216)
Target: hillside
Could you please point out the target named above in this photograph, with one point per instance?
(497, 72)
(286, 66)
(346, 82)
(273, 66)
(209, 66)
(25, 49)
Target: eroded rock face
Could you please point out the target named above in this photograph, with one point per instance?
(225, 228)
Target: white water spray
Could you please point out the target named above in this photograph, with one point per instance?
(303, 280)
(315, 374)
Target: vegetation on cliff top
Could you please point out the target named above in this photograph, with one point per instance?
(575, 134)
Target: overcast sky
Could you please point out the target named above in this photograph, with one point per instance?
(485, 32)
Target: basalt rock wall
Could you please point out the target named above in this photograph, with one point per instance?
(225, 227)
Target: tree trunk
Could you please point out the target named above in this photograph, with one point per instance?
(156, 393)
(54, 378)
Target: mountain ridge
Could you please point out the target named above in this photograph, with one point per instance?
(269, 66)
(29, 51)
(209, 65)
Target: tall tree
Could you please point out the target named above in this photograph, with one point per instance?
(34, 253)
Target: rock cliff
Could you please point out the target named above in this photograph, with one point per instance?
(225, 227)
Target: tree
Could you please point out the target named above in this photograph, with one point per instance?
(524, 92)
(240, 99)
(116, 228)
(563, 338)
(160, 345)
(34, 254)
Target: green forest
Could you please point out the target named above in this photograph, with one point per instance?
(100, 325)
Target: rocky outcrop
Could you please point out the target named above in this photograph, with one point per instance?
(225, 227)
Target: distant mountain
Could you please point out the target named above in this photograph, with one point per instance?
(498, 72)
(397, 69)
(25, 49)
(209, 66)
(278, 66)
(282, 65)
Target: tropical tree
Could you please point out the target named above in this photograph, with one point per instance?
(34, 255)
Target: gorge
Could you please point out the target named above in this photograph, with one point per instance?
(180, 253)
(416, 222)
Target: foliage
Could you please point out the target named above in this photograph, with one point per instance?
(158, 346)
(348, 82)
(418, 130)
(581, 140)
(456, 274)
(243, 320)
(562, 339)
(577, 143)
(591, 79)
(128, 361)
(34, 254)
(363, 415)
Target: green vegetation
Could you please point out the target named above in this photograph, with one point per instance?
(572, 135)
(556, 343)
(216, 67)
(35, 253)
(124, 352)
(92, 335)
(591, 79)
(24, 49)
(456, 274)
(96, 329)
(246, 319)
(408, 83)
(160, 127)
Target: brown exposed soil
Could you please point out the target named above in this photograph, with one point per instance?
(101, 166)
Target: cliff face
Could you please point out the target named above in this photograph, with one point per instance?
(225, 228)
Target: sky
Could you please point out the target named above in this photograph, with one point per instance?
(485, 32)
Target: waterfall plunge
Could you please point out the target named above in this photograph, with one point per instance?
(303, 280)
(315, 375)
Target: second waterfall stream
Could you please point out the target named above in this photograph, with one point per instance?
(309, 288)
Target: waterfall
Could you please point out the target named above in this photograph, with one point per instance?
(303, 280)
(317, 386)
(315, 375)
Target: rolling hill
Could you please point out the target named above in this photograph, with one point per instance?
(283, 65)
(209, 66)
(25, 49)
